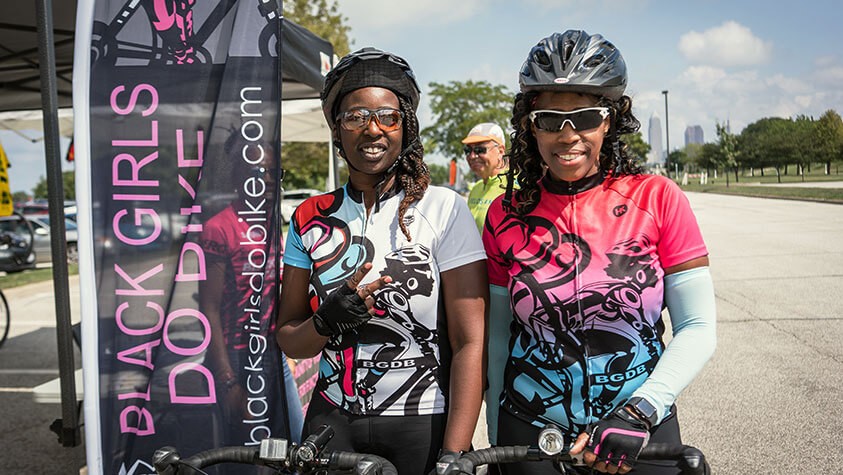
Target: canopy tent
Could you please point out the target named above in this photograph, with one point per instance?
(305, 58)
(302, 121)
(36, 68)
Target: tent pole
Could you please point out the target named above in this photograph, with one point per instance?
(67, 427)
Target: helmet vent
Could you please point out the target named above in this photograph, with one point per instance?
(541, 58)
(594, 61)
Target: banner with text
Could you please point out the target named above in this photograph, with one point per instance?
(184, 130)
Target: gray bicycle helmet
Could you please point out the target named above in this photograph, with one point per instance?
(575, 61)
(382, 69)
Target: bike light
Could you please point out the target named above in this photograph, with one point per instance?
(273, 450)
(551, 440)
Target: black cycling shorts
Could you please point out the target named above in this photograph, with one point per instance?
(514, 431)
(412, 443)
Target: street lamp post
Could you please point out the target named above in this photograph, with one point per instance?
(667, 134)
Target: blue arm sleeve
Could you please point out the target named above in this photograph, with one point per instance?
(500, 317)
(689, 296)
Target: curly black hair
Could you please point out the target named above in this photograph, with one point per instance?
(527, 165)
(411, 172)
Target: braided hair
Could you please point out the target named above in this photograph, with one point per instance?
(412, 172)
(527, 165)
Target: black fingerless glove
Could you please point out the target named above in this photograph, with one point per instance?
(341, 311)
(618, 438)
(448, 463)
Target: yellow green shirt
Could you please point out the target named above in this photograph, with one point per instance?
(481, 196)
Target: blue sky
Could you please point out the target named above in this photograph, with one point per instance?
(719, 60)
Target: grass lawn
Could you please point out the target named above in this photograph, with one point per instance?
(749, 185)
(31, 276)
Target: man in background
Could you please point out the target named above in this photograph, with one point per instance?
(484, 149)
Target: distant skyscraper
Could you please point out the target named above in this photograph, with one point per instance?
(694, 134)
(656, 155)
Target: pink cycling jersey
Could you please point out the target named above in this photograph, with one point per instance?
(584, 272)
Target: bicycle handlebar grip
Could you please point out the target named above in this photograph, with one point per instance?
(340, 460)
(498, 455)
(690, 459)
(247, 455)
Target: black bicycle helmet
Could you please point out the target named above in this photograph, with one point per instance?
(382, 69)
(575, 61)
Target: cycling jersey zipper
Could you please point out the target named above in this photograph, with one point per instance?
(577, 288)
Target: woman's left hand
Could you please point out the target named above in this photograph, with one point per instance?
(613, 444)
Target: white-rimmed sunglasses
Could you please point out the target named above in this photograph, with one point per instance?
(580, 119)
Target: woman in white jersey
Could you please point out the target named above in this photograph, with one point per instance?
(387, 279)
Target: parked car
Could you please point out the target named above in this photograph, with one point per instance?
(291, 199)
(41, 230)
(16, 253)
(32, 208)
(70, 212)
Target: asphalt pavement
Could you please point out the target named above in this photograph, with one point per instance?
(769, 401)
(29, 358)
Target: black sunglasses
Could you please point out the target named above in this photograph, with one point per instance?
(580, 119)
(388, 119)
(477, 149)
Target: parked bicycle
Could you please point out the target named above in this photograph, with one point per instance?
(5, 318)
(279, 455)
(16, 241)
(551, 446)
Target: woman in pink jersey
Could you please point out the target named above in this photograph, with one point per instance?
(582, 260)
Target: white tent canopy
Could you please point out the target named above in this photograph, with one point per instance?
(301, 121)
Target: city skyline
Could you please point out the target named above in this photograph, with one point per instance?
(694, 135)
(654, 138)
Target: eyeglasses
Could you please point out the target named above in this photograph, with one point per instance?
(477, 149)
(357, 119)
(580, 119)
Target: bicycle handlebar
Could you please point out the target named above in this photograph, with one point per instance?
(690, 460)
(278, 455)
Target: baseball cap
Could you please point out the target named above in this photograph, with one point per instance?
(484, 132)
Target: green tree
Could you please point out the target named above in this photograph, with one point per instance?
(709, 156)
(728, 150)
(638, 148)
(804, 132)
(459, 106)
(68, 183)
(323, 18)
(40, 191)
(674, 158)
(692, 152)
(769, 142)
(678, 156)
(20, 197)
(438, 174)
(305, 163)
(829, 138)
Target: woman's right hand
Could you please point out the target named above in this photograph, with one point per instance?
(349, 306)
